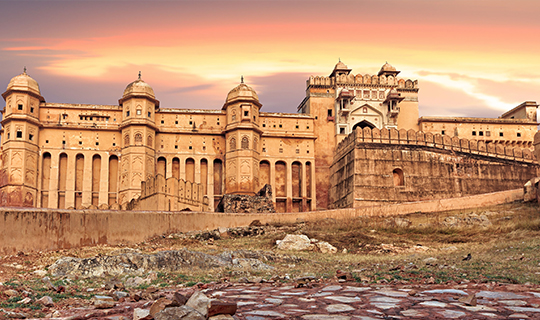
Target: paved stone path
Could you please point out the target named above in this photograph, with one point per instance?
(351, 301)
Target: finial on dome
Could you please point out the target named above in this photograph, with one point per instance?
(339, 59)
(24, 70)
(139, 75)
(241, 79)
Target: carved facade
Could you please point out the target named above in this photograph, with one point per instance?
(57, 155)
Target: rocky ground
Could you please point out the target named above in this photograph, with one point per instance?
(481, 264)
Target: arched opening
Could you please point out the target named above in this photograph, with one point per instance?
(281, 186)
(45, 179)
(204, 175)
(245, 142)
(190, 170)
(218, 179)
(96, 178)
(162, 166)
(363, 124)
(264, 173)
(113, 179)
(398, 177)
(79, 178)
(296, 185)
(176, 168)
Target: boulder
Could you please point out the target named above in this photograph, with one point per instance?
(141, 314)
(325, 247)
(295, 242)
(177, 313)
(199, 301)
(46, 301)
(159, 305)
(216, 307)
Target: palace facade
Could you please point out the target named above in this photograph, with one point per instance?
(58, 155)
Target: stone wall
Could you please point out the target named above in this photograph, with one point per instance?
(241, 203)
(373, 166)
(31, 229)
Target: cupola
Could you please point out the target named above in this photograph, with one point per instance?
(139, 88)
(23, 82)
(340, 69)
(242, 93)
(388, 69)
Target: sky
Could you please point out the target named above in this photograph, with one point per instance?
(470, 57)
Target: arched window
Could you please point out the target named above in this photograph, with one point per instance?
(245, 142)
(149, 142)
(138, 138)
(232, 144)
(398, 177)
(126, 140)
(233, 116)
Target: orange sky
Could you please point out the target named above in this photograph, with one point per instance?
(471, 57)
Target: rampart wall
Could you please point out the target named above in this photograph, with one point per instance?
(31, 229)
(372, 166)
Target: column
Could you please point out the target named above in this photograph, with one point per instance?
(70, 180)
(87, 181)
(273, 179)
(288, 185)
(210, 184)
(168, 167)
(303, 188)
(53, 181)
(104, 180)
(313, 188)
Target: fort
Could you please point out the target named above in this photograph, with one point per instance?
(355, 140)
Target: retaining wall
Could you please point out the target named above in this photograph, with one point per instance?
(29, 229)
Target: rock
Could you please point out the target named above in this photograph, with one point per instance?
(216, 307)
(133, 262)
(222, 317)
(180, 299)
(103, 302)
(295, 242)
(14, 315)
(412, 293)
(141, 314)
(49, 284)
(255, 223)
(26, 300)
(120, 294)
(159, 305)
(134, 282)
(347, 276)
(199, 302)
(469, 300)
(11, 293)
(46, 301)
(430, 261)
(182, 312)
(238, 203)
(40, 273)
(325, 247)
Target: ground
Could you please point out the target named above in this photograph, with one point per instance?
(413, 251)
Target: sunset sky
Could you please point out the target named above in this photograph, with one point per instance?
(471, 57)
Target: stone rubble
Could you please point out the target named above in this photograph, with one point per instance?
(300, 242)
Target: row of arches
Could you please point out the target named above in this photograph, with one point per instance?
(244, 143)
(79, 179)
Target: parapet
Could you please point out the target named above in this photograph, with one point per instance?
(367, 79)
(430, 140)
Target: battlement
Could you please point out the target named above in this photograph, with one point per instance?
(371, 80)
(430, 140)
(172, 194)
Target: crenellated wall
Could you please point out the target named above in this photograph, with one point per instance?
(372, 166)
(172, 194)
(363, 79)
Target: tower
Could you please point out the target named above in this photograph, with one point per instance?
(138, 128)
(242, 135)
(20, 151)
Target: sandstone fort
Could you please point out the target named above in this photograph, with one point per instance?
(355, 140)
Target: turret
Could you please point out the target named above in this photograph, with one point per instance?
(243, 140)
(20, 134)
(138, 127)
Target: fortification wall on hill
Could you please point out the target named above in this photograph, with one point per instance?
(372, 166)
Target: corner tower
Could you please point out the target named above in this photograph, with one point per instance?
(20, 151)
(138, 127)
(243, 135)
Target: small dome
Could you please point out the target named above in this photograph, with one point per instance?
(340, 66)
(388, 67)
(25, 83)
(139, 87)
(242, 91)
